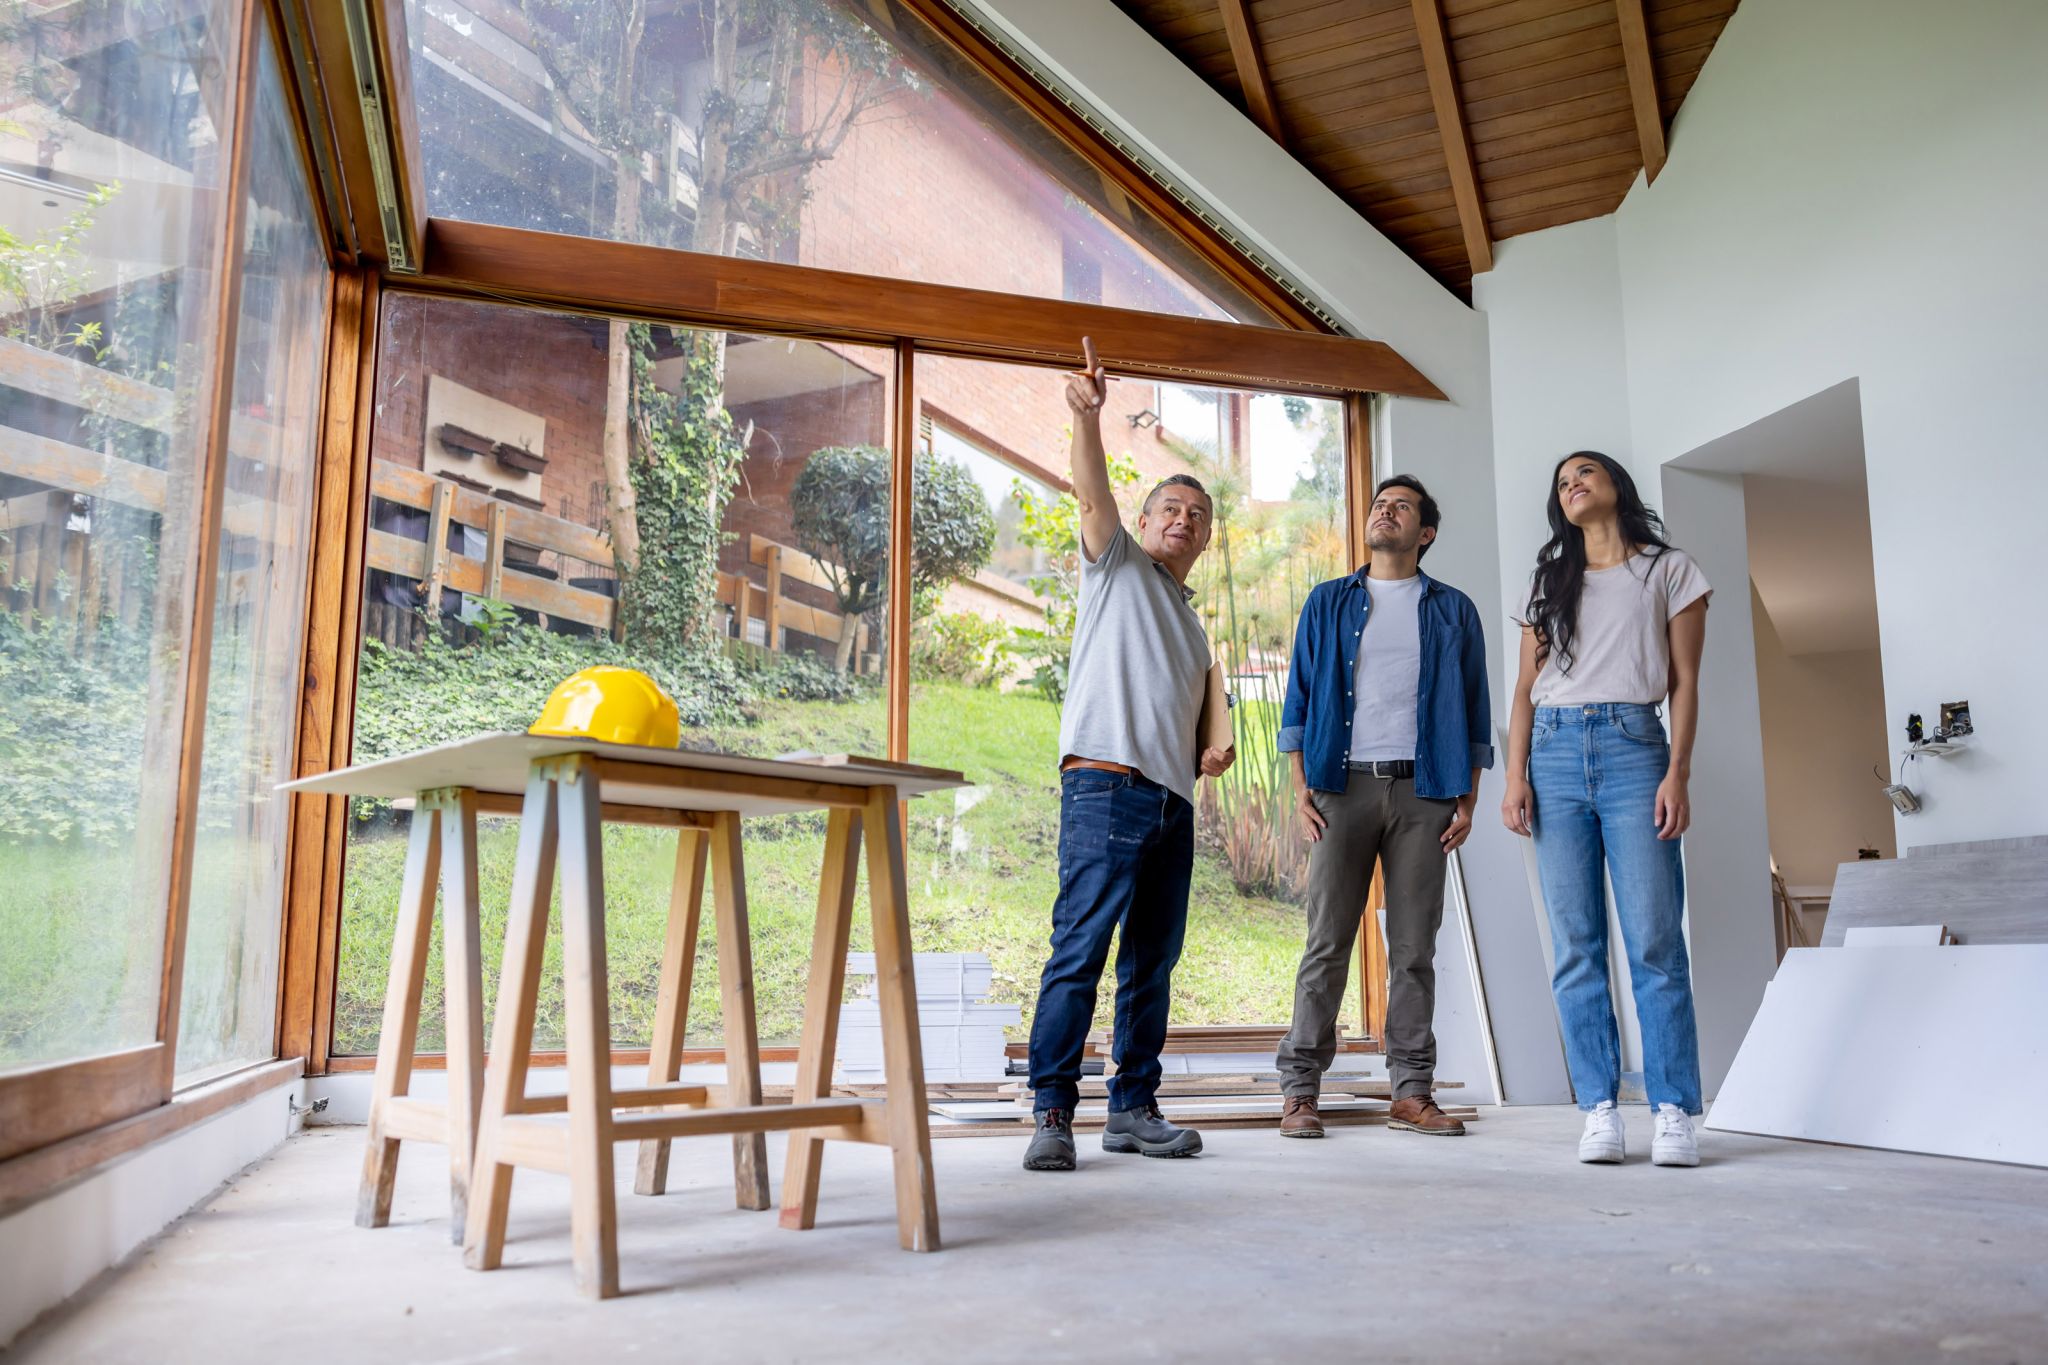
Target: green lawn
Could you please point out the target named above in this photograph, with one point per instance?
(983, 874)
(81, 948)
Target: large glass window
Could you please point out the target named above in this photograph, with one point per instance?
(833, 133)
(232, 933)
(753, 591)
(111, 167)
(1009, 486)
(989, 672)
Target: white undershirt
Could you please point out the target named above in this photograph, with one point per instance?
(1389, 672)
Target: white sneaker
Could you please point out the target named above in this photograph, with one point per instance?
(1602, 1141)
(1675, 1143)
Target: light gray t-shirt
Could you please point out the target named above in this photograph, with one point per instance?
(1622, 652)
(1389, 672)
(1135, 679)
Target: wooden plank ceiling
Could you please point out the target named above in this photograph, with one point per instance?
(1453, 124)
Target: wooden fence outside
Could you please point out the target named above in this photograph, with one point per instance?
(53, 563)
(51, 567)
(496, 576)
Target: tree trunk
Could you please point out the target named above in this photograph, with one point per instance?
(619, 507)
(714, 145)
(849, 632)
(618, 389)
(714, 166)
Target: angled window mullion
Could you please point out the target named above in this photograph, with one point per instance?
(204, 561)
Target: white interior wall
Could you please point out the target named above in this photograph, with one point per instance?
(1854, 192)
(1842, 214)
(1560, 380)
(1729, 925)
(1823, 729)
(1278, 206)
(56, 1246)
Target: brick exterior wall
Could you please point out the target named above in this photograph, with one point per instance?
(543, 363)
(786, 431)
(920, 189)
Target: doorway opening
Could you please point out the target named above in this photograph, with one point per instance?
(1783, 506)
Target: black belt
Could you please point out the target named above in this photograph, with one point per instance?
(1395, 767)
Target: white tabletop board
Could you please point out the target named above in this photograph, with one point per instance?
(500, 763)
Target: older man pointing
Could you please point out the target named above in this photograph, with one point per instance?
(1129, 756)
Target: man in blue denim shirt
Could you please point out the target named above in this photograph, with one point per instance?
(1388, 722)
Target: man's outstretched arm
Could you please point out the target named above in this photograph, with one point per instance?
(1089, 463)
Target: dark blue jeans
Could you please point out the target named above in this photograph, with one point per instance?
(1127, 849)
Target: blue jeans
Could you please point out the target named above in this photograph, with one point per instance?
(1595, 771)
(1127, 849)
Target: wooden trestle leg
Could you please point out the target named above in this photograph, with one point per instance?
(672, 1004)
(398, 1039)
(910, 1139)
(821, 1011)
(526, 933)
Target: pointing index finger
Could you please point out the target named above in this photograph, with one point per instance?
(1088, 360)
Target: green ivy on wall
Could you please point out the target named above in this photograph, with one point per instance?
(686, 461)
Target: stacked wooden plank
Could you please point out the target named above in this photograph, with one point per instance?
(1003, 1109)
(1260, 1040)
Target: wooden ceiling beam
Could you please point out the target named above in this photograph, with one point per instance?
(1251, 68)
(1450, 122)
(1642, 84)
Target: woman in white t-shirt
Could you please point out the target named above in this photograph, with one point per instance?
(1614, 626)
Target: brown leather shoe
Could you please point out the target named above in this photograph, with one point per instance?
(1421, 1114)
(1300, 1119)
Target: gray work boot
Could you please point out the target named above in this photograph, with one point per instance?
(1145, 1131)
(1052, 1146)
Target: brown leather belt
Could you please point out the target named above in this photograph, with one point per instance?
(1073, 761)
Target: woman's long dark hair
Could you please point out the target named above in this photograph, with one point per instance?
(1560, 578)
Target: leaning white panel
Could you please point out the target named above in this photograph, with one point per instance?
(1896, 936)
(1940, 1050)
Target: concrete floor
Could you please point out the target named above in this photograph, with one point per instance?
(1371, 1244)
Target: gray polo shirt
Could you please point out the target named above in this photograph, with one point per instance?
(1134, 683)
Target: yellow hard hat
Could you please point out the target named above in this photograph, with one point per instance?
(616, 705)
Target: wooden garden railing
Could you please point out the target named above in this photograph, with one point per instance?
(774, 607)
(41, 551)
(51, 570)
(439, 569)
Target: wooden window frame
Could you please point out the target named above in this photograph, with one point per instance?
(313, 912)
(623, 279)
(769, 298)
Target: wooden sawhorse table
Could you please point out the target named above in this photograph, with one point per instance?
(570, 788)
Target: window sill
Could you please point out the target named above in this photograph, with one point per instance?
(33, 1175)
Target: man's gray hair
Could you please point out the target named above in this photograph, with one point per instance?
(1175, 481)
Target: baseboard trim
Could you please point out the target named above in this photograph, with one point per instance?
(38, 1174)
(98, 1199)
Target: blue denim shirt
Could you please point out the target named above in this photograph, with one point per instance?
(1453, 711)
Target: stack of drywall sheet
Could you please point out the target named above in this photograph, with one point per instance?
(1984, 895)
(1929, 1049)
(962, 1034)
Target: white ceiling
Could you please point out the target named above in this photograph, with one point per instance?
(1808, 514)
